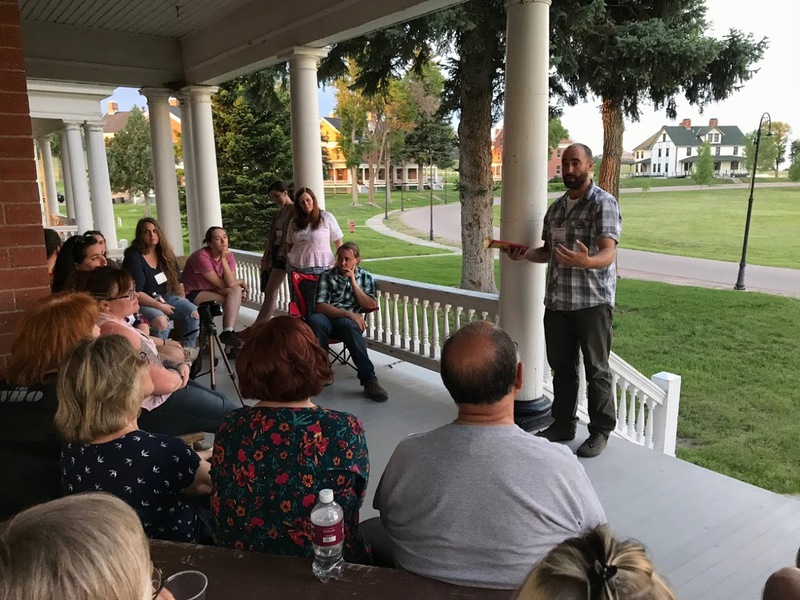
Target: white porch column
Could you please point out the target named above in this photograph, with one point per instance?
(524, 196)
(189, 170)
(100, 184)
(80, 186)
(164, 175)
(204, 155)
(69, 196)
(50, 192)
(306, 142)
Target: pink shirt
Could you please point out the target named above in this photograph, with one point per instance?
(312, 247)
(201, 262)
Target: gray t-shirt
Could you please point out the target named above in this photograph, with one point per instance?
(480, 505)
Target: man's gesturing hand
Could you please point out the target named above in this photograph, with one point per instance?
(570, 258)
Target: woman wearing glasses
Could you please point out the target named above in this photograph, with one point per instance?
(101, 384)
(83, 547)
(177, 405)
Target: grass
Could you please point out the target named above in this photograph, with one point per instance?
(657, 182)
(738, 355)
(710, 224)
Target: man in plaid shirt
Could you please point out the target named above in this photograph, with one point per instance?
(581, 232)
(343, 292)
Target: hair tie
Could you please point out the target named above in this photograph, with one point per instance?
(602, 575)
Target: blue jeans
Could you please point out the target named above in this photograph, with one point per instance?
(346, 331)
(189, 326)
(190, 409)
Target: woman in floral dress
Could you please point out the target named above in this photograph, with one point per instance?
(271, 460)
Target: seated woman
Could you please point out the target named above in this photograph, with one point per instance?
(81, 252)
(271, 460)
(177, 405)
(210, 276)
(151, 262)
(83, 547)
(29, 443)
(595, 566)
(99, 238)
(101, 384)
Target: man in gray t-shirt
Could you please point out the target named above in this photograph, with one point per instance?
(478, 502)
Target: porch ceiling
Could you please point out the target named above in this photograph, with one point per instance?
(156, 43)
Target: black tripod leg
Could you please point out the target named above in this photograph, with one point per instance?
(230, 369)
(213, 371)
(197, 365)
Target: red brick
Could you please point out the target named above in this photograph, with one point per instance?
(15, 125)
(7, 300)
(13, 236)
(13, 81)
(20, 191)
(24, 299)
(27, 257)
(17, 169)
(28, 213)
(12, 59)
(9, 13)
(10, 36)
(16, 279)
(16, 147)
(5, 259)
(15, 102)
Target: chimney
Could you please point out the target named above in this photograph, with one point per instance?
(113, 107)
(713, 122)
(173, 101)
(686, 123)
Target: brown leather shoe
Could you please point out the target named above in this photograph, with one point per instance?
(375, 392)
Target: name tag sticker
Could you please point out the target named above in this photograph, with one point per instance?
(558, 235)
(161, 278)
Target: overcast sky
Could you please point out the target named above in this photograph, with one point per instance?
(774, 89)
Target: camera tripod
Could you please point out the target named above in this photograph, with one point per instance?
(206, 343)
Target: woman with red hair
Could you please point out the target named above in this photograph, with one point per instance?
(271, 460)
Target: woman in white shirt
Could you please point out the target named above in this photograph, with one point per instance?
(311, 231)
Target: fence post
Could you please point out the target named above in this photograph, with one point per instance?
(665, 425)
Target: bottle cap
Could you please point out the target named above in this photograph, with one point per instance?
(326, 496)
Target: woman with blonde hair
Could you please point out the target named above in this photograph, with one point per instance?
(151, 262)
(85, 547)
(101, 384)
(29, 443)
(595, 566)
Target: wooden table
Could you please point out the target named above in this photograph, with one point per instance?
(255, 576)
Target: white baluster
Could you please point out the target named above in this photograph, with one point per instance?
(640, 419)
(387, 333)
(406, 345)
(371, 325)
(447, 310)
(396, 321)
(632, 412)
(415, 327)
(470, 315)
(459, 310)
(426, 345)
(484, 316)
(622, 411)
(379, 332)
(435, 344)
(648, 437)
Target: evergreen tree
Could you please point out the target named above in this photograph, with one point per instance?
(794, 169)
(130, 157)
(767, 152)
(703, 173)
(252, 131)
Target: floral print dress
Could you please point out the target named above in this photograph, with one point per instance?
(268, 467)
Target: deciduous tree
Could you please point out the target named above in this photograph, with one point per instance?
(780, 131)
(703, 173)
(130, 158)
(767, 152)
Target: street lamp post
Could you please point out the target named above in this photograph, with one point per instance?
(765, 119)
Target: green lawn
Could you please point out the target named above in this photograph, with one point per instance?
(710, 224)
(738, 355)
(656, 182)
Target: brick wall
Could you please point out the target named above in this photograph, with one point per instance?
(23, 271)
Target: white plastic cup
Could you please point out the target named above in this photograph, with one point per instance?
(187, 585)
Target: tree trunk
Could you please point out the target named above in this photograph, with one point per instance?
(372, 168)
(354, 182)
(613, 128)
(475, 161)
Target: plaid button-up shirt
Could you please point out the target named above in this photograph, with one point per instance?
(595, 216)
(335, 289)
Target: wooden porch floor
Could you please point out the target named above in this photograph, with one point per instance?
(711, 536)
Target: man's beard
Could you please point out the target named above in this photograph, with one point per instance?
(576, 181)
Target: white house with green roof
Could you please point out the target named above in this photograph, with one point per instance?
(672, 150)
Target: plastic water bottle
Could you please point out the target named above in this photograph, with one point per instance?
(328, 537)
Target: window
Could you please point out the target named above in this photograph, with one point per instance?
(716, 166)
(663, 137)
(667, 150)
(558, 169)
(717, 149)
(558, 153)
(342, 175)
(735, 151)
(685, 167)
(689, 151)
(412, 174)
(659, 153)
(713, 138)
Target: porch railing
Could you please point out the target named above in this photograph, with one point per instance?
(414, 319)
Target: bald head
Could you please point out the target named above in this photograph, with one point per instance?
(479, 364)
(783, 585)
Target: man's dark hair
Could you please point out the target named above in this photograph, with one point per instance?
(484, 377)
(52, 241)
